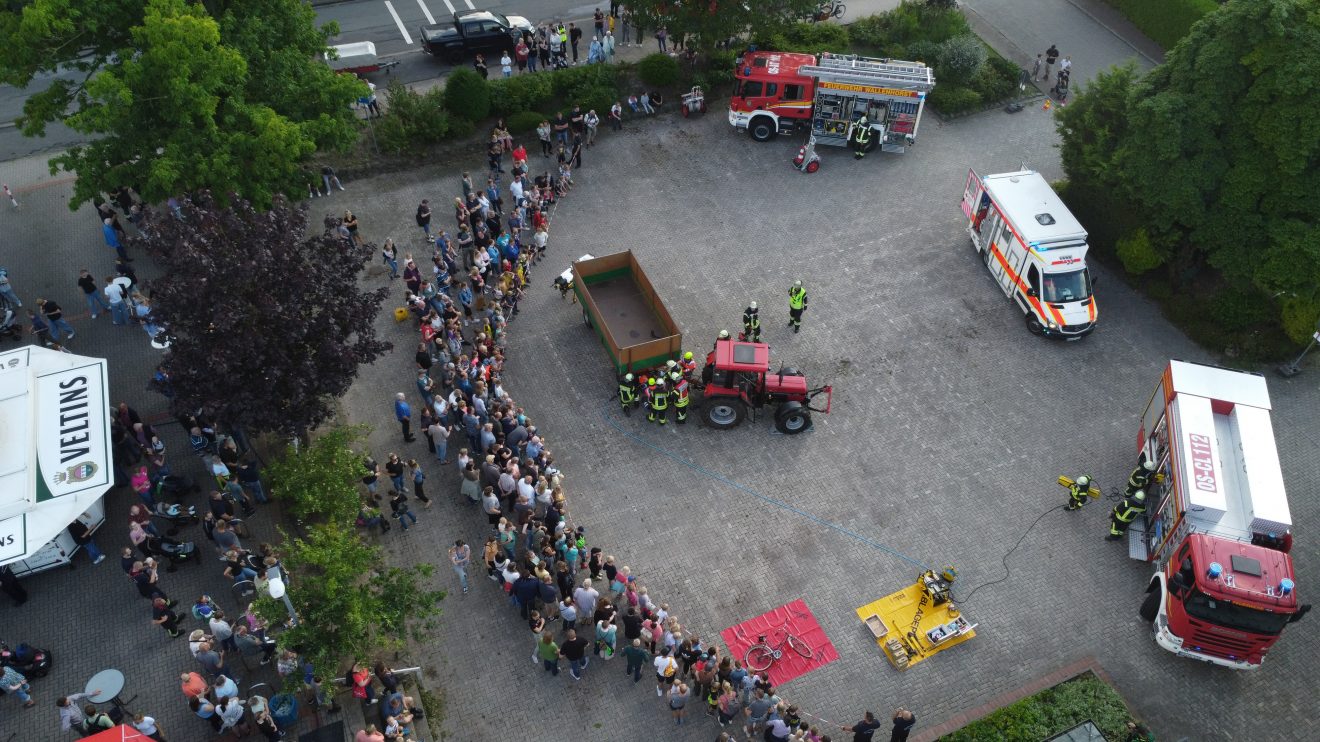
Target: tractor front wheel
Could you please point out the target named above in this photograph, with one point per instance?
(792, 418)
(723, 413)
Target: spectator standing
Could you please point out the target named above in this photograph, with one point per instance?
(636, 656)
(479, 63)
(72, 717)
(329, 177)
(574, 39)
(543, 135)
(147, 725)
(55, 320)
(549, 653)
(93, 295)
(403, 413)
(424, 219)
(661, 37)
(1037, 66)
(7, 289)
(112, 239)
(1051, 56)
(418, 479)
(506, 65)
(607, 45)
(117, 297)
(598, 18)
(678, 698)
(16, 683)
(460, 556)
(593, 122)
(616, 116)
(574, 649)
(82, 536)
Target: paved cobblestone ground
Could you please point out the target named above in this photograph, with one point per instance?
(950, 425)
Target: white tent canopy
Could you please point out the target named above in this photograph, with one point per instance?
(55, 459)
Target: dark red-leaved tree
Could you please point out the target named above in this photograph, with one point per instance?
(267, 323)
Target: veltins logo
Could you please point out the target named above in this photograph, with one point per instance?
(80, 472)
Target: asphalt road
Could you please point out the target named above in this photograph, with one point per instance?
(393, 25)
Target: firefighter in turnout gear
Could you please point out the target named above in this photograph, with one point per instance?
(681, 398)
(751, 324)
(861, 137)
(1140, 477)
(689, 365)
(1124, 512)
(797, 304)
(1078, 493)
(659, 403)
(627, 393)
(724, 335)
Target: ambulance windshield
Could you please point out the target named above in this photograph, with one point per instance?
(1065, 287)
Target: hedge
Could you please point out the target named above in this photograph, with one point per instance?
(467, 95)
(1164, 21)
(658, 70)
(1050, 712)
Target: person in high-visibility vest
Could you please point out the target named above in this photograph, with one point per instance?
(681, 398)
(659, 404)
(689, 365)
(861, 137)
(627, 393)
(1124, 513)
(751, 324)
(797, 304)
(1140, 477)
(1078, 493)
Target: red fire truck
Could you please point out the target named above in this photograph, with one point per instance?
(779, 92)
(1219, 531)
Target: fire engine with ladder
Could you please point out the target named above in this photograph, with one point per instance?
(782, 92)
(1218, 530)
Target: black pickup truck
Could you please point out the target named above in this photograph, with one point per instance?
(472, 32)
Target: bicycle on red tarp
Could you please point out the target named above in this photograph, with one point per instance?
(761, 655)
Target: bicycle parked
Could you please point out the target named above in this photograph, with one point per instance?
(761, 655)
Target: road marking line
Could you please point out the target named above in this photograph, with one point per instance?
(450, 6)
(426, 12)
(470, 5)
(398, 22)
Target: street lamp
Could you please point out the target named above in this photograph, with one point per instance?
(1290, 370)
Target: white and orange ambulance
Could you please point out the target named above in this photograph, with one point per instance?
(1035, 249)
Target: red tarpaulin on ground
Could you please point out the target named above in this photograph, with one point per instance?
(794, 618)
(121, 733)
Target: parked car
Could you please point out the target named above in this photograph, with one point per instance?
(474, 31)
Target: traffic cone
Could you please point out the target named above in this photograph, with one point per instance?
(1048, 105)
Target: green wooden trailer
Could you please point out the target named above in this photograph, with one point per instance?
(621, 306)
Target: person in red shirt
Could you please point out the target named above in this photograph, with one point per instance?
(520, 54)
(194, 685)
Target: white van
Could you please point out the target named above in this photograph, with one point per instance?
(1035, 249)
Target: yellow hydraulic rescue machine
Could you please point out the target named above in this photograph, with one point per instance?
(919, 620)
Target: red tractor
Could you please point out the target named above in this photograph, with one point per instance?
(737, 378)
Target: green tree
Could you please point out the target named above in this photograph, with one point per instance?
(705, 23)
(349, 603)
(1216, 152)
(177, 96)
(320, 481)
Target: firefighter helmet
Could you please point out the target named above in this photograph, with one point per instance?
(1139, 496)
(650, 382)
(724, 334)
(671, 363)
(1148, 465)
(752, 307)
(675, 376)
(628, 377)
(797, 284)
(1083, 481)
(687, 356)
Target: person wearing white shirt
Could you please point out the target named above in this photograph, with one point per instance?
(506, 65)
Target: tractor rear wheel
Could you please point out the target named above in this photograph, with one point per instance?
(723, 413)
(792, 418)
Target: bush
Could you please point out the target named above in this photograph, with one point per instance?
(818, 37)
(414, 118)
(952, 100)
(1138, 253)
(1050, 712)
(598, 99)
(391, 135)
(1165, 22)
(565, 82)
(523, 93)
(923, 51)
(524, 121)
(1300, 318)
(1238, 309)
(467, 96)
(992, 85)
(959, 59)
(658, 70)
